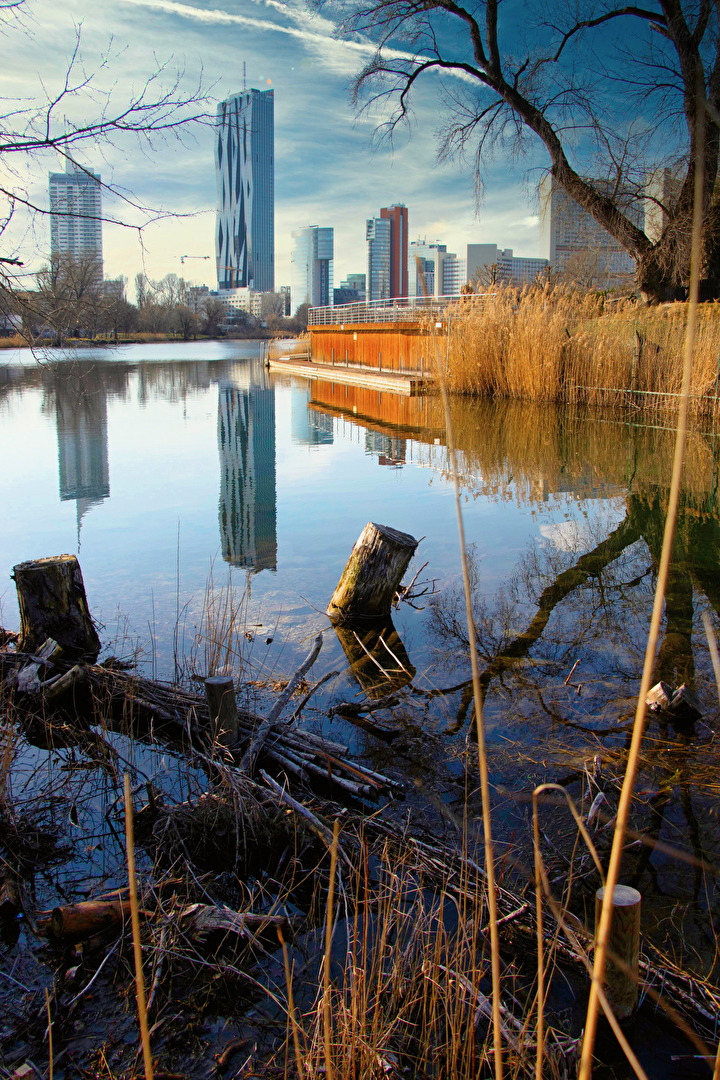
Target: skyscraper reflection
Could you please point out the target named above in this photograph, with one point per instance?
(246, 445)
(82, 434)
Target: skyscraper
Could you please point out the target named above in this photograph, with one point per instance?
(377, 234)
(76, 215)
(312, 260)
(245, 170)
(398, 218)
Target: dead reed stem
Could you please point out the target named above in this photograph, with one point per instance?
(135, 916)
(327, 1013)
(613, 873)
(480, 728)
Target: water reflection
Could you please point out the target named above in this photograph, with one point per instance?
(308, 427)
(82, 436)
(376, 656)
(246, 444)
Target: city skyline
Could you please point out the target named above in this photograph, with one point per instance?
(321, 147)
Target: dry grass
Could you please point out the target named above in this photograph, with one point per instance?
(553, 344)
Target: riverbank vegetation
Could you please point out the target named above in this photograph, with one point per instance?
(557, 344)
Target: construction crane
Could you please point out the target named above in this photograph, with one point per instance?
(184, 257)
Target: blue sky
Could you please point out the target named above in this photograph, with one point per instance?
(328, 171)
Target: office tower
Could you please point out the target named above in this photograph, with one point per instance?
(245, 170)
(312, 262)
(398, 218)
(246, 445)
(377, 234)
(570, 236)
(76, 216)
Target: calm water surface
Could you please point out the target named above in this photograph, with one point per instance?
(165, 466)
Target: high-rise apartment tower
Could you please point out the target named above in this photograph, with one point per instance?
(76, 215)
(245, 169)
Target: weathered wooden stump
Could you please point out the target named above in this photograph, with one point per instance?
(621, 979)
(53, 604)
(220, 697)
(372, 574)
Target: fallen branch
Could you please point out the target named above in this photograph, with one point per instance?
(248, 759)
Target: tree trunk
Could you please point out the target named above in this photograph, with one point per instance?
(372, 574)
(53, 604)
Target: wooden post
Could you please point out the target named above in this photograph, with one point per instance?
(372, 574)
(220, 697)
(621, 982)
(53, 604)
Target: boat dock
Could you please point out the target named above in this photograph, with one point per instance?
(395, 382)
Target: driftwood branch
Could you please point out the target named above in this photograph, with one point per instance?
(259, 738)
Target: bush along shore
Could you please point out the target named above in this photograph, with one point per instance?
(217, 892)
(556, 344)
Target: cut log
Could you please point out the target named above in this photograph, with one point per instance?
(222, 707)
(372, 575)
(76, 922)
(621, 982)
(53, 604)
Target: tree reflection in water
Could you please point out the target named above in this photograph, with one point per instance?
(594, 607)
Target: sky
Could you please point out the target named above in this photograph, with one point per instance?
(329, 168)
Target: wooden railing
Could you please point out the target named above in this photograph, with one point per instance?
(402, 309)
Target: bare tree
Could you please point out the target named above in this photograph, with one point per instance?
(581, 100)
(213, 312)
(161, 109)
(69, 296)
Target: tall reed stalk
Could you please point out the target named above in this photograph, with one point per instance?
(613, 873)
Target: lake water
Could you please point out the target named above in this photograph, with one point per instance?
(166, 466)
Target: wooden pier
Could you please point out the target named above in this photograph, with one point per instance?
(395, 382)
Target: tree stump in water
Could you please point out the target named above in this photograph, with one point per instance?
(372, 574)
(53, 604)
(621, 983)
(220, 697)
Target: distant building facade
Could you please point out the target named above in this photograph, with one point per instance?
(661, 195)
(434, 270)
(312, 267)
(351, 290)
(76, 215)
(574, 242)
(486, 262)
(245, 171)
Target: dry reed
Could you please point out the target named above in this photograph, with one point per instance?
(554, 344)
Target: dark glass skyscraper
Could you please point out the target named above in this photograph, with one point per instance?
(245, 168)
